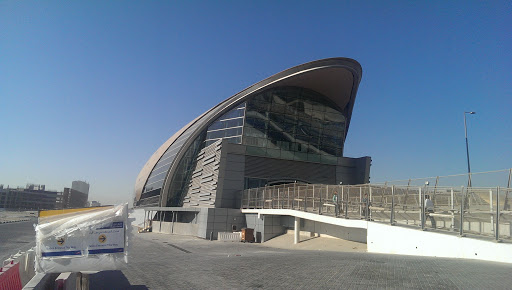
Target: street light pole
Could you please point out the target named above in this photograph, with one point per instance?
(467, 147)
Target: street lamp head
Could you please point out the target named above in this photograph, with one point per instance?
(472, 113)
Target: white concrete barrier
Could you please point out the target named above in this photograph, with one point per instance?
(387, 239)
(229, 237)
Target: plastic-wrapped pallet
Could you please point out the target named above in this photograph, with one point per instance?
(83, 240)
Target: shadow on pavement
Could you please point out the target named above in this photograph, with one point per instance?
(112, 280)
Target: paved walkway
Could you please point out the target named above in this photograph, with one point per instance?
(161, 261)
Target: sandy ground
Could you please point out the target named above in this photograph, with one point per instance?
(315, 243)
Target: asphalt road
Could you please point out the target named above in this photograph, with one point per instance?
(14, 237)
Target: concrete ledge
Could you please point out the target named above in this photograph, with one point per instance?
(386, 239)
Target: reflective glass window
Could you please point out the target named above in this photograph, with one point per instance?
(229, 125)
(296, 120)
(274, 153)
(235, 140)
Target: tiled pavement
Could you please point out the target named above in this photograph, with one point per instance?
(161, 261)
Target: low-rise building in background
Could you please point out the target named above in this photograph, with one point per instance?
(32, 197)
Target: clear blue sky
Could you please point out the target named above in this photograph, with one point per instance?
(90, 89)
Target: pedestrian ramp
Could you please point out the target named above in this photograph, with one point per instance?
(380, 237)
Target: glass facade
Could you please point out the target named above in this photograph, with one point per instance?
(287, 123)
(181, 177)
(296, 124)
(157, 176)
(228, 126)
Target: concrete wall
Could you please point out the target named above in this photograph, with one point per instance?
(185, 229)
(265, 227)
(269, 226)
(346, 233)
(205, 223)
(231, 176)
(220, 220)
(162, 227)
(177, 228)
(388, 239)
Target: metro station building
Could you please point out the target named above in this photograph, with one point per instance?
(290, 127)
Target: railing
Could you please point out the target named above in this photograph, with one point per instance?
(463, 210)
(493, 178)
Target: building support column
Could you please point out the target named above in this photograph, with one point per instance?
(296, 233)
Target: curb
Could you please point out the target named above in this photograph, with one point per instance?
(10, 222)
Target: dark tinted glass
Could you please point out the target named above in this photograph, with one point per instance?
(296, 123)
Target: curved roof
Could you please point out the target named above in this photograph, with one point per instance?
(336, 78)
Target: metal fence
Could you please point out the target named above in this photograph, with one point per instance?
(482, 211)
(493, 178)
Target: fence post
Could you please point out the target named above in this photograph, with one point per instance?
(435, 190)
(273, 196)
(392, 214)
(452, 209)
(498, 214)
(327, 193)
(491, 210)
(288, 207)
(506, 206)
(305, 198)
(368, 202)
(262, 201)
(278, 201)
(360, 201)
(313, 198)
(251, 200)
(342, 194)
(345, 203)
(295, 196)
(262, 198)
(462, 201)
(422, 210)
(321, 204)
